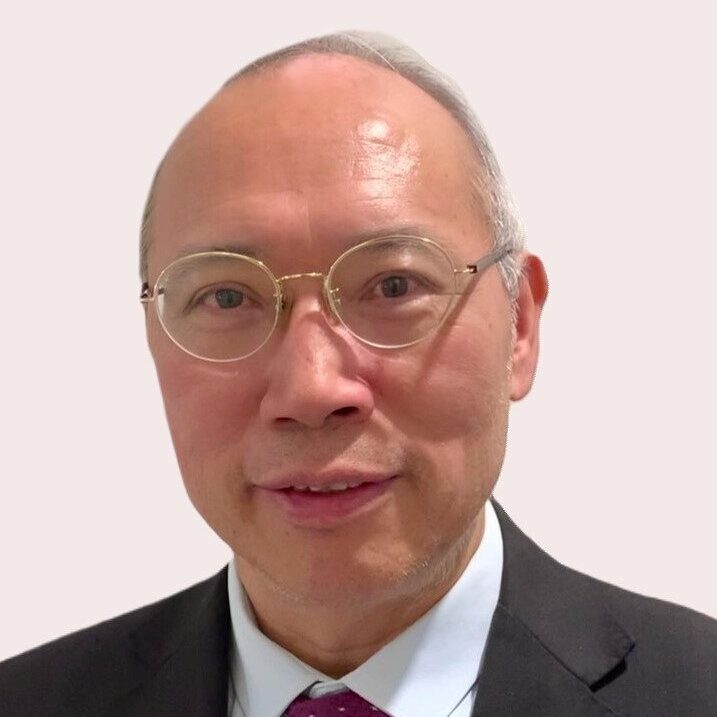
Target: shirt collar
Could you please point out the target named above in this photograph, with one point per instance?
(265, 676)
(424, 672)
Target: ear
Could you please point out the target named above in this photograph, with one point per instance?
(532, 293)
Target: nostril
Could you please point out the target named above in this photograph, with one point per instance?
(343, 411)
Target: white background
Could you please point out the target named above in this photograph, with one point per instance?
(603, 118)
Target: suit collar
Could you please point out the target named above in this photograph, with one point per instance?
(181, 656)
(553, 640)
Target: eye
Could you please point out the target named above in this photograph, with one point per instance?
(397, 286)
(224, 298)
(393, 286)
(228, 298)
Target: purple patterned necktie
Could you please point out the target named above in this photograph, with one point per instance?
(336, 704)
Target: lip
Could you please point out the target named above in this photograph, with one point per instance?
(325, 510)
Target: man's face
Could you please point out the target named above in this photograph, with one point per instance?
(302, 162)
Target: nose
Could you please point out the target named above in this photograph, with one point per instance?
(314, 376)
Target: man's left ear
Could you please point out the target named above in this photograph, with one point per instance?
(532, 293)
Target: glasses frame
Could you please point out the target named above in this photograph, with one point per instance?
(149, 294)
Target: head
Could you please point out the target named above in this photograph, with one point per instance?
(301, 157)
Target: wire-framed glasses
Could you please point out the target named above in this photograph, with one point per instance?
(389, 292)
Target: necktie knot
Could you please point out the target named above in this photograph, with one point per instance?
(336, 704)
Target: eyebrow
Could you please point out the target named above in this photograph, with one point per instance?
(231, 247)
(255, 252)
(392, 230)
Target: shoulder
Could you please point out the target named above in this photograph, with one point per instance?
(636, 654)
(675, 648)
(666, 625)
(671, 663)
(83, 672)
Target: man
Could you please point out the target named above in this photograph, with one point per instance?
(340, 310)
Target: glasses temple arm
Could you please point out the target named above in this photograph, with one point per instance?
(145, 295)
(490, 258)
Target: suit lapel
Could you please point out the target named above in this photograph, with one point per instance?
(181, 658)
(552, 640)
(520, 678)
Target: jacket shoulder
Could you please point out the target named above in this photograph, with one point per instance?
(643, 615)
(83, 672)
(671, 667)
(638, 655)
(673, 663)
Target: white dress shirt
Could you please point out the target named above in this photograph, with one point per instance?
(429, 670)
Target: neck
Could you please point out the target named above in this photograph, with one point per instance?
(336, 638)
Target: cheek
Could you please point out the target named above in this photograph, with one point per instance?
(450, 391)
(451, 407)
(208, 407)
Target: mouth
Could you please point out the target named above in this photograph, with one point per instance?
(338, 487)
(332, 482)
(323, 501)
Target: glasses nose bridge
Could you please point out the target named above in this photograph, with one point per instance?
(326, 293)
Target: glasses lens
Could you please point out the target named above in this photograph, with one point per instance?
(393, 292)
(217, 306)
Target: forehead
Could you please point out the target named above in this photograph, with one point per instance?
(315, 150)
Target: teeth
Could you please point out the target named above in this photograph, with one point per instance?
(327, 488)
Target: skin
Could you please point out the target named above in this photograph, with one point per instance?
(302, 161)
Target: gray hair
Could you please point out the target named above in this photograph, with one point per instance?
(489, 186)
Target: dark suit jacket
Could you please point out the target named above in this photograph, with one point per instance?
(561, 644)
